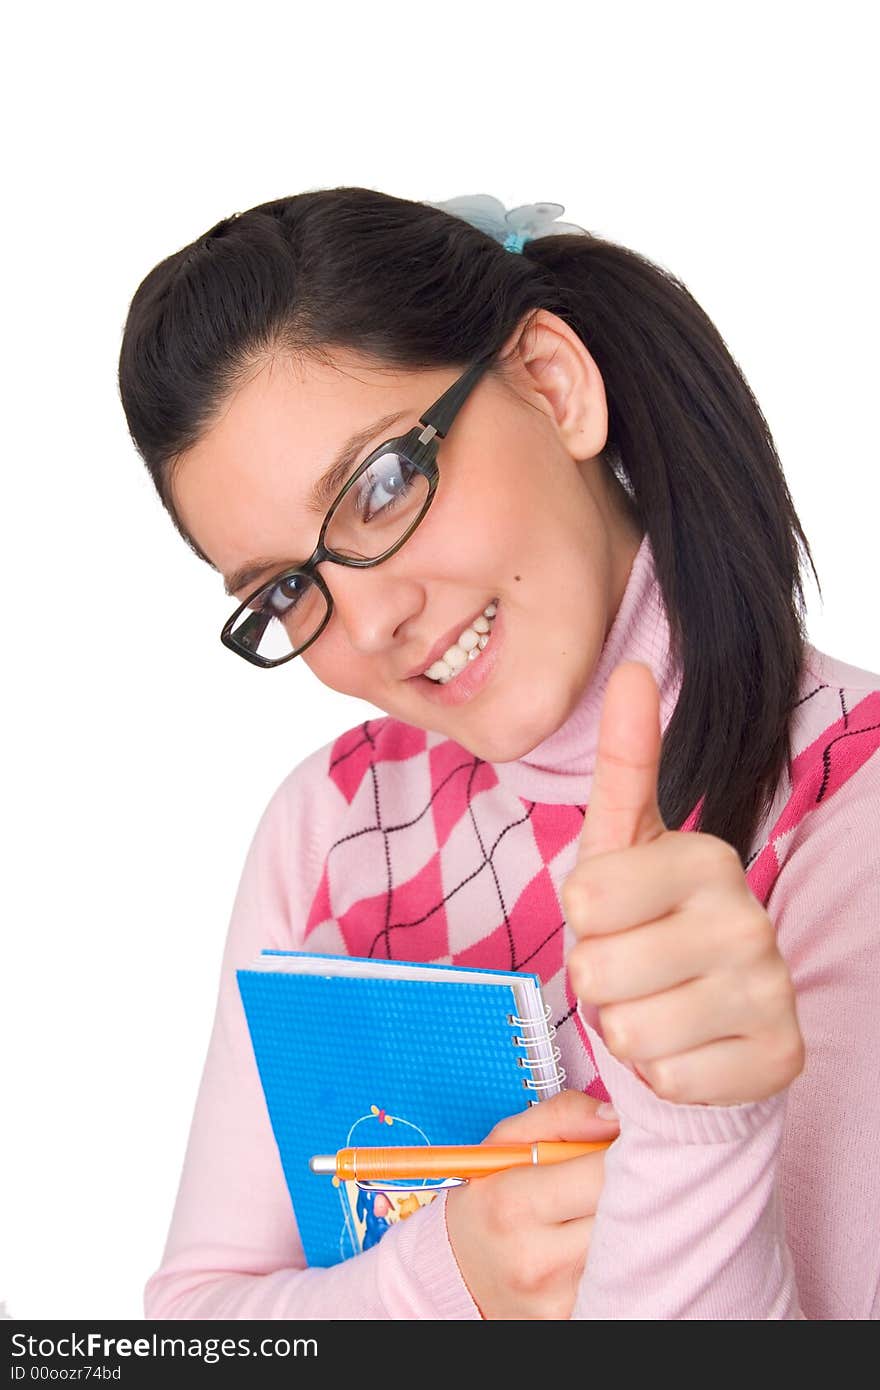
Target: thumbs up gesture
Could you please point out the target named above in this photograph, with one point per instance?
(673, 948)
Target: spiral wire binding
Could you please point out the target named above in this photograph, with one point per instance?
(529, 1022)
(526, 1042)
(531, 1041)
(542, 1062)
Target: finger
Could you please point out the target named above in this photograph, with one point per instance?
(725, 1003)
(698, 1012)
(644, 960)
(555, 1257)
(625, 888)
(623, 807)
(571, 1240)
(568, 1115)
(729, 1071)
(552, 1192)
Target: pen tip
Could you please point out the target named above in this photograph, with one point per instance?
(323, 1163)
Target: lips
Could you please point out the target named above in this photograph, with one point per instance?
(446, 642)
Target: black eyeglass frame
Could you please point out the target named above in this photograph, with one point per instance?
(419, 445)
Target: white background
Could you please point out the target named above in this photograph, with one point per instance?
(731, 144)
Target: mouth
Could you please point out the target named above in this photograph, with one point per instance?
(451, 652)
(467, 664)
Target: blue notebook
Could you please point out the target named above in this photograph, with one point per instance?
(354, 1052)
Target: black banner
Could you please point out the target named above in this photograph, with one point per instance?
(103, 1353)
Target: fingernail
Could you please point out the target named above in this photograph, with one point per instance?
(606, 1111)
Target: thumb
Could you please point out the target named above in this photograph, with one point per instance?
(568, 1115)
(623, 809)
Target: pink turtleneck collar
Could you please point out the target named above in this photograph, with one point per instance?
(560, 769)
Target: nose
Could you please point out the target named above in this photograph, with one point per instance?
(372, 605)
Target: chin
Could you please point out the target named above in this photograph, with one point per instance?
(506, 744)
(498, 749)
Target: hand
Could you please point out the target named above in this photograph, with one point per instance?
(521, 1236)
(675, 950)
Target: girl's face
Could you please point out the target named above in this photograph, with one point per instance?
(524, 515)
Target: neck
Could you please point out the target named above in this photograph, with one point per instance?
(560, 768)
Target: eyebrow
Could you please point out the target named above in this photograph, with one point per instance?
(321, 495)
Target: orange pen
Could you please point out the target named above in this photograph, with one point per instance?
(446, 1160)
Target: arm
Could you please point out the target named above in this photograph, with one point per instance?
(233, 1250)
(771, 1209)
(689, 1223)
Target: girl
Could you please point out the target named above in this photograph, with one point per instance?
(527, 504)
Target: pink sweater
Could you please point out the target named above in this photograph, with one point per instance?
(396, 842)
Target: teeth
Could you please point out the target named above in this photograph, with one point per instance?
(439, 671)
(454, 657)
(467, 648)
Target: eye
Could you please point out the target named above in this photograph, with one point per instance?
(384, 485)
(285, 595)
(281, 597)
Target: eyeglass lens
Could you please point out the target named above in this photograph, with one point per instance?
(369, 520)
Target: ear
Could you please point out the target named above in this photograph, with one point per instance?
(551, 367)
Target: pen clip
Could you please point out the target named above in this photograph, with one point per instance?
(393, 1185)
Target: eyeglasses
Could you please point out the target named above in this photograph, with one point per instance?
(375, 513)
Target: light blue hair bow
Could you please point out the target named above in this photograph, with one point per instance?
(514, 228)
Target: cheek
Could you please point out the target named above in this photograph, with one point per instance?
(335, 663)
(527, 519)
(485, 541)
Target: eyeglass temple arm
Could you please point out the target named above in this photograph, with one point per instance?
(444, 411)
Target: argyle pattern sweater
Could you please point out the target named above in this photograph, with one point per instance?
(396, 842)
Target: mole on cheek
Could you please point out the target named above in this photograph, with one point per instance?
(517, 577)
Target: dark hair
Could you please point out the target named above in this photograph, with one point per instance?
(413, 287)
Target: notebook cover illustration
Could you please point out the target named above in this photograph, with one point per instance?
(348, 1061)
